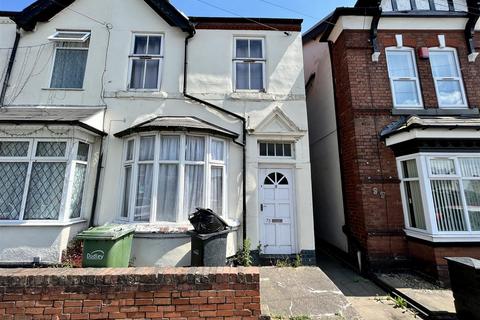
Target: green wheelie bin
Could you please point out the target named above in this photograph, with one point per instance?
(108, 246)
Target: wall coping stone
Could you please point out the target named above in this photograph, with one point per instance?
(68, 277)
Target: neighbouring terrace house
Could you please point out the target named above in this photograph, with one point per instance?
(127, 111)
(393, 97)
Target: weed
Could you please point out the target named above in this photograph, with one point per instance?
(280, 263)
(259, 248)
(298, 261)
(291, 317)
(72, 256)
(399, 302)
(339, 315)
(244, 256)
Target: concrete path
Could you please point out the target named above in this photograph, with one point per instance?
(332, 291)
(434, 298)
(302, 292)
(371, 302)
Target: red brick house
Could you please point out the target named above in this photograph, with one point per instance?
(393, 100)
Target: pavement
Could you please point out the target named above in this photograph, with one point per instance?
(302, 292)
(332, 291)
(434, 298)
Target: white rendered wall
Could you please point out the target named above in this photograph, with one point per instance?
(210, 78)
(326, 177)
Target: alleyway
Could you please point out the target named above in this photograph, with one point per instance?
(330, 292)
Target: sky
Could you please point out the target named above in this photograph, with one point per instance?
(311, 11)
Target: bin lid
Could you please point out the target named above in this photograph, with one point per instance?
(106, 232)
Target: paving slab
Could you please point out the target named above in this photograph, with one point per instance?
(302, 292)
(433, 297)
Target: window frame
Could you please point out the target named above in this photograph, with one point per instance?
(59, 45)
(87, 35)
(262, 61)
(71, 179)
(69, 159)
(459, 78)
(416, 78)
(132, 56)
(433, 6)
(208, 163)
(292, 146)
(432, 233)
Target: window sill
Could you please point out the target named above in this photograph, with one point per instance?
(63, 89)
(436, 111)
(444, 238)
(252, 95)
(38, 223)
(166, 228)
(137, 94)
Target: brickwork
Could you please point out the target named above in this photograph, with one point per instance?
(135, 293)
(431, 259)
(374, 215)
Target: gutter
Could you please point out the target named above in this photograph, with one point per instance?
(231, 114)
(8, 74)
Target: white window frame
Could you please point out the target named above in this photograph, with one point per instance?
(292, 145)
(207, 163)
(416, 78)
(57, 38)
(262, 61)
(71, 180)
(69, 159)
(459, 79)
(432, 233)
(132, 56)
(59, 46)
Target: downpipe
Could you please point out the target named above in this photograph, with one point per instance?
(8, 73)
(242, 144)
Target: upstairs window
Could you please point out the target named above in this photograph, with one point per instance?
(431, 5)
(448, 78)
(403, 74)
(249, 64)
(70, 60)
(146, 62)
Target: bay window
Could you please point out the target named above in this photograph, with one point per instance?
(42, 180)
(167, 176)
(403, 74)
(447, 78)
(441, 194)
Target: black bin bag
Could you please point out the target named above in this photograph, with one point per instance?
(205, 221)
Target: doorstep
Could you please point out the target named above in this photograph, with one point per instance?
(429, 299)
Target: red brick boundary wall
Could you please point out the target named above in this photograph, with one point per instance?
(134, 293)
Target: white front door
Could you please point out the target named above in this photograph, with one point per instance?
(276, 211)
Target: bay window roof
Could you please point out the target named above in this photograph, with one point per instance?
(57, 116)
(418, 122)
(176, 123)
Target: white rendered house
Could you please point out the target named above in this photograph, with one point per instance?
(127, 111)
